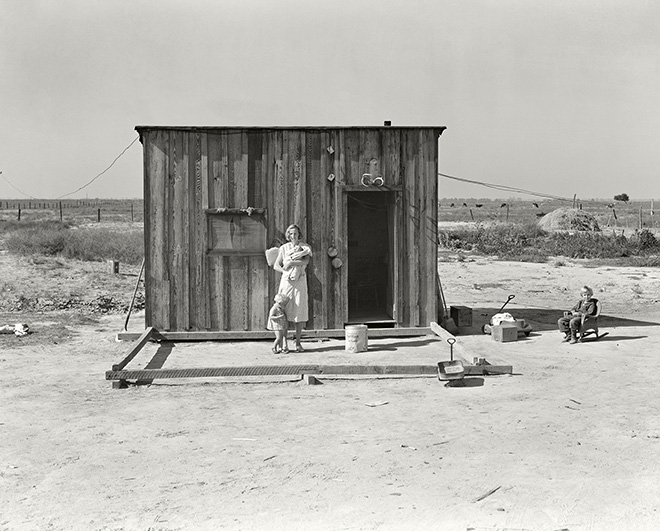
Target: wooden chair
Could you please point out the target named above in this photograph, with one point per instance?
(589, 324)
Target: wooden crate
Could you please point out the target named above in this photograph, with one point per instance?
(462, 315)
(505, 332)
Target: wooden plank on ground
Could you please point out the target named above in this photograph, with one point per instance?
(285, 370)
(271, 370)
(493, 365)
(142, 340)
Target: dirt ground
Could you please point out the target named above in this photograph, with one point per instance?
(570, 441)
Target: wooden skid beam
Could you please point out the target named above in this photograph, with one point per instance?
(461, 353)
(207, 335)
(270, 370)
(487, 370)
(287, 370)
(142, 340)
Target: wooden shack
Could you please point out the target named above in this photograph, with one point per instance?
(217, 197)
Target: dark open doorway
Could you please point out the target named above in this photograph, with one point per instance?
(370, 258)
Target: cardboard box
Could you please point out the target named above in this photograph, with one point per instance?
(462, 315)
(505, 332)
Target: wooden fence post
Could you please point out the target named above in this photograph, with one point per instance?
(98, 216)
(60, 211)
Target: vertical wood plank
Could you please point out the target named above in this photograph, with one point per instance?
(411, 215)
(317, 230)
(237, 175)
(237, 289)
(176, 228)
(256, 182)
(343, 277)
(351, 153)
(155, 166)
(282, 177)
(165, 296)
(326, 168)
(218, 302)
(391, 157)
(271, 203)
(182, 235)
(340, 281)
(225, 191)
(214, 143)
(295, 179)
(241, 171)
(205, 321)
(422, 193)
(258, 281)
(197, 244)
(371, 150)
(431, 157)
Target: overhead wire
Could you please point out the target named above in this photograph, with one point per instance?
(506, 188)
(19, 191)
(99, 175)
(83, 186)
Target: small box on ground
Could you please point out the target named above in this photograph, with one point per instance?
(462, 315)
(505, 332)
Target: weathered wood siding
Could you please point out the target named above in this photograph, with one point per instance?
(297, 175)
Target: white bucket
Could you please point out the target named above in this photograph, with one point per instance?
(356, 338)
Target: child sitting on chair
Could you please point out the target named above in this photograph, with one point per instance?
(572, 320)
(277, 321)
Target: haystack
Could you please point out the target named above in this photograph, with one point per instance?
(569, 219)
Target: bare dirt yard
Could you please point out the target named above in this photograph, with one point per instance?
(570, 441)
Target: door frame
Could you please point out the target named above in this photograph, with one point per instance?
(393, 216)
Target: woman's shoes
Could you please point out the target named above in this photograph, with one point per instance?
(299, 348)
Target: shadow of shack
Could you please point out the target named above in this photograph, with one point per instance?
(217, 197)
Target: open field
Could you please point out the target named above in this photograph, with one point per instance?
(571, 441)
(611, 215)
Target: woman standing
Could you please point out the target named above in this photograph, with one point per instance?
(292, 262)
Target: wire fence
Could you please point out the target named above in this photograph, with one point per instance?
(73, 210)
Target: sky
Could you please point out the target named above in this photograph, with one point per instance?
(556, 97)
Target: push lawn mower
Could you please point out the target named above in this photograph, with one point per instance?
(499, 317)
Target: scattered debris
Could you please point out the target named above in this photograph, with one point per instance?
(19, 329)
(488, 493)
(269, 458)
(409, 447)
(376, 404)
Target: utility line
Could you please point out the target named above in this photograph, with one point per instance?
(505, 188)
(83, 186)
(19, 191)
(111, 165)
